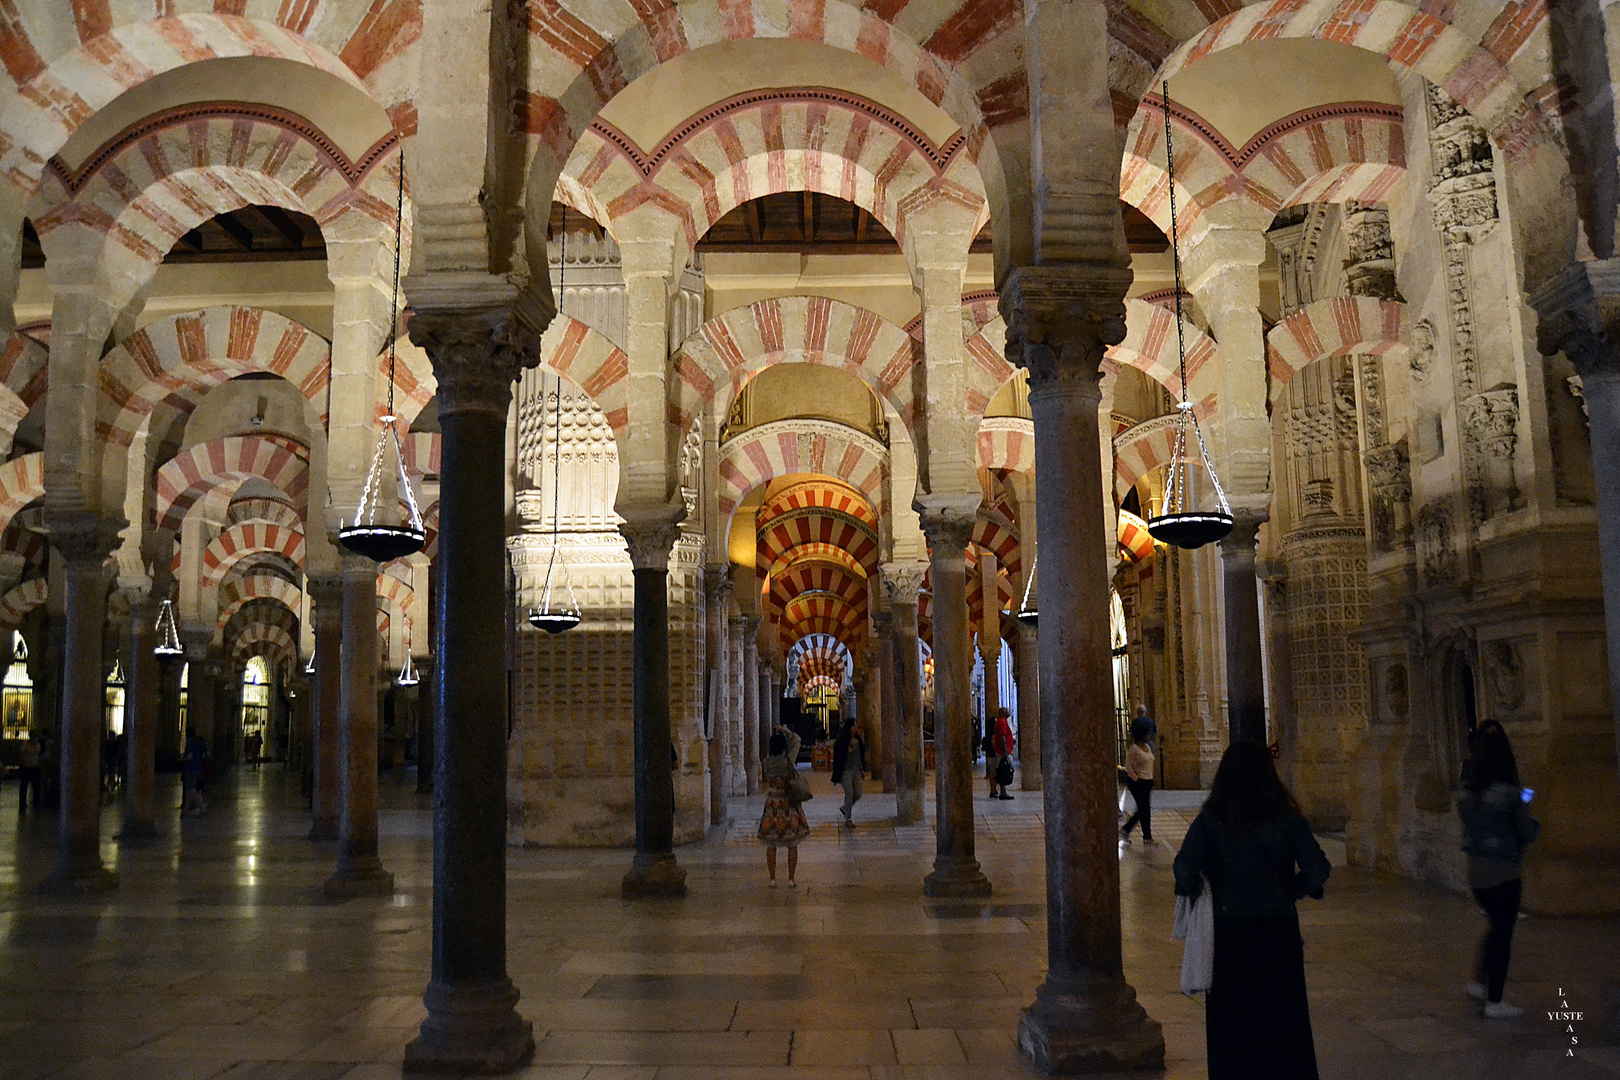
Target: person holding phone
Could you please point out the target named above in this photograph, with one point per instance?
(1497, 827)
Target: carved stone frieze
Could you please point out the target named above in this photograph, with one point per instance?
(1504, 676)
(1370, 266)
(1433, 527)
(1422, 357)
(1492, 418)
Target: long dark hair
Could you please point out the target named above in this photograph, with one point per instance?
(1247, 788)
(1490, 759)
(778, 743)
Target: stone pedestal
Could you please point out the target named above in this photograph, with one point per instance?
(1245, 683)
(84, 541)
(140, 719)
(956, 872)
(472, 1023)
(359, 869)
(1085, 1017)
(902, 580)
(654, 871)
(326, 612)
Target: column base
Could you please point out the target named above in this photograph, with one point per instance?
(79, 878)
(908, 809)
(471, 1029)
(366, 878)
(1103, 1031)
(654, 876)
(323, 830)
(956, 877)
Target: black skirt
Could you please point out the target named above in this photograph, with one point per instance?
(1256, 1019)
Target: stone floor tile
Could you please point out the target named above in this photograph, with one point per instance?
(820, 1013)
(843, 1047)
(933, 1046)
(663, 1048)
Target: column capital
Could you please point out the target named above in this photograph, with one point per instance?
(650, 533)
(83, 536)
(902, 581)
(1061, 319)
(717, 584)
(1578, 313)
(478, 344)
(354, 565)
(1245, 529)
(326, 593)
(948, 522)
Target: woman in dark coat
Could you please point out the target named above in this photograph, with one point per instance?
(1260, 857)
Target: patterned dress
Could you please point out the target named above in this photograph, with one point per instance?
(782, 824)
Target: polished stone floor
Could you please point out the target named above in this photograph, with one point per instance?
(218, 958)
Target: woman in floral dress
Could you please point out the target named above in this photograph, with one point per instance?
(782, 824)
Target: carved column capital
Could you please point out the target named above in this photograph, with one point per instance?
(1579, 315)
(326, 597)
(902, 581)
(717, 585)
(948, 526)
(1245, 530)
(1061, 319)
(83, 537)
(651, 536)
(476, 354)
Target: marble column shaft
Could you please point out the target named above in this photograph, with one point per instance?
(717, 597)
(654, 870)
(751, 713)
(141, 719)
(956, 872)
(1085, 1017)
(902, 583)
(326, 613)
(737, 703)
(359, 868)
(1027, 666)
(1245, 680)
(84, 546)
(889, 699)
(472, 1023)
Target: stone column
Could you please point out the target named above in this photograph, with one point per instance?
(956, 872)
(359, 869)
(767, 703)
(472, 1023)
(869, 694)
(753, 746)
(717, 597)
(990, 634)
(883, 624)
(1245, 684)
(901, 581)
(201, 683)
(654, 871)
(84, 542)
(326, 613)
(1085, 1017)
(1028, 673)
(737, 700)
(141, 717)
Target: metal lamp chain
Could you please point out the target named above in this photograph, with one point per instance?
(556, 439)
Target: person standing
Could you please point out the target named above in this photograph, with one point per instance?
(1002, 744)
(1139, 780)
(191, 773)
(29, 775)
(1256, 849)
(1497, 827)
(782, 823)
(848, 765)
(1143, 727)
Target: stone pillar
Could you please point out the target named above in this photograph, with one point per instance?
(84, 542)
(901, 581)
(1085, 1017)
(201, 683)
(1028, 674)
(717, 598)
(654, 871)
(359, 869)
(990, 634)
(472, 1022)
(889, 684)
(767, 704)
(754, 747)
(1245, 683)
(737, 702)
(326, 612)
(141, 717)
(869, 696)
(956, 872)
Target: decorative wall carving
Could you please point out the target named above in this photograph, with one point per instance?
(1422, 359)
(1389, 478)
(1370, 266)
(1437, 560)
(1503, 675)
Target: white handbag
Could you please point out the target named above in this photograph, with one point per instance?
(1195, 925)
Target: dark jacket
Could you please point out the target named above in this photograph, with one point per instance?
(1251, 868)
(1496, 823)
(841, 755)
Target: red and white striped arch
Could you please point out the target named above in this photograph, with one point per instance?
(22, 480)
(732, 347)
(24, 368)
(1007, 442)
(589, 360)
(1150, 346)
(817, 613)
(819, 492)
(396, 592)
(817, 551)
(229, 460)
(258, 508)
(775, 450)
(818, 577)
(65, 70)
(20, 600)
(200, 349)
(239, 541)
(792, 534)
(1333, 327)
(260, 586)
(1140, 449)
(270, 640)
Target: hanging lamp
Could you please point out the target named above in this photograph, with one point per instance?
(1028, 613)
(407, 674)
(309, 665)
(379, 531)
(545, 617)
(168, 635)
(1180, 524)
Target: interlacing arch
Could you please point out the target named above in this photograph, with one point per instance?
(197, 350)
(246, 539)
(24, 369)
(1338, 326)
(52, 90)
(22, 480)
(193, 473)
(1140, 449)
(732, 347)
(771, 140)
(20, 600)
(588, 359)
(257, 586)
(258, 508)
(784, 448)
(1008, 443)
